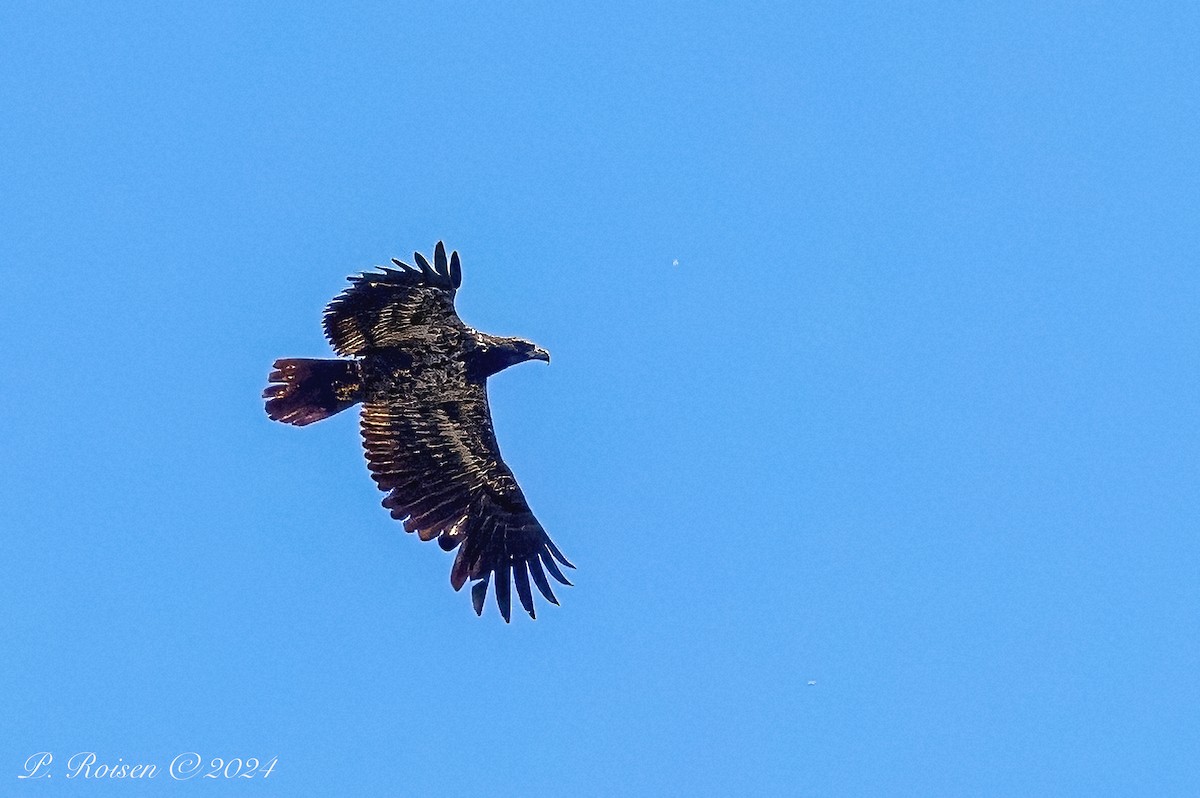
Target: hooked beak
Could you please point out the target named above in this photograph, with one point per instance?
(540, 354)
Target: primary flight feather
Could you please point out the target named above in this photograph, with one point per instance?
(421, 376)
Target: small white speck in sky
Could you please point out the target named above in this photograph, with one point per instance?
(675, 262)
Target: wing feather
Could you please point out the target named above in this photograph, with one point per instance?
(439, 463)
(553, 568)
(521, 580)
(502, 593)
(392, 307)
(539, 579)
(478, 595)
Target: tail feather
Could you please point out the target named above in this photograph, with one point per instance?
(305, 390)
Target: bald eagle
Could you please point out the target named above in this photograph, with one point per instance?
(421, 377)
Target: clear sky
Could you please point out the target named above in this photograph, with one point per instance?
(871, 423)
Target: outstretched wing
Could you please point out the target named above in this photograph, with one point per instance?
(395, 307)
(440, 465)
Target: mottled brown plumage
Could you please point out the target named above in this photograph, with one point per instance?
(421, 376)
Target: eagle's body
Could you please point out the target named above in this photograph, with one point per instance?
(421, 376)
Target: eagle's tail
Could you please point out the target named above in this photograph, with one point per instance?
(305, 390)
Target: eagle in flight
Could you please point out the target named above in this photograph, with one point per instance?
(421, 376)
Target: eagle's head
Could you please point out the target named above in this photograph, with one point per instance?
(496, 354)
(531, 351)
(518, 350)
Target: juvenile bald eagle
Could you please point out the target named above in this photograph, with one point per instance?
(421, 376)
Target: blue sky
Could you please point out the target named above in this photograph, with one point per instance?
(875, 365)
